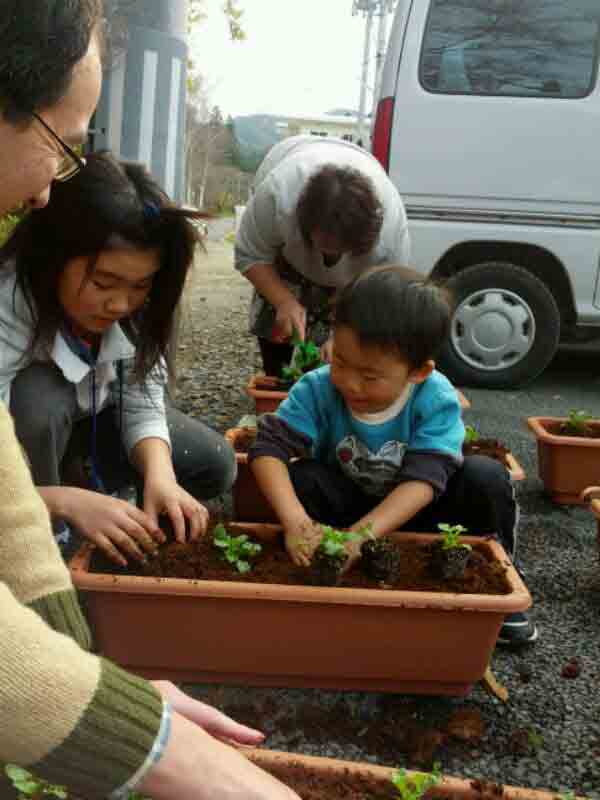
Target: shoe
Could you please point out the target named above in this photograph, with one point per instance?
(517, 630)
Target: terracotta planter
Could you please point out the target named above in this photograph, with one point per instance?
(267, 400)
(275, 635)
(591, 495)
(249, 503)
(566, 464)
(448, 789)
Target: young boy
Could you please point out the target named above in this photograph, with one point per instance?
(376, 437)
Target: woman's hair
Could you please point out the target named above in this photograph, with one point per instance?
(107, 205)
(396, 308)
(342, 202)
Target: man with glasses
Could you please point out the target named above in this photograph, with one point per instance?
(70, 716)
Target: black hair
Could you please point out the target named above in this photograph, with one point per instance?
(342, 202)
(399, 309)
(40, 44)
(105, 202)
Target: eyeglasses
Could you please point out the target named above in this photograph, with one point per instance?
(71, 163)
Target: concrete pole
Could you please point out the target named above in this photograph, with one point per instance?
(362, 133)
(141, 115)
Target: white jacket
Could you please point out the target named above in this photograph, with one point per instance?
(143, 406)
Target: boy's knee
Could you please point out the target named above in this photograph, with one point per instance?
(484, 474)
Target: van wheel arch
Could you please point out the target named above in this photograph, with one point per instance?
(505, 326)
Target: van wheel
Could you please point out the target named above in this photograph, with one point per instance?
(505, 327)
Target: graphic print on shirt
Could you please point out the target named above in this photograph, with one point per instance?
(376, 473)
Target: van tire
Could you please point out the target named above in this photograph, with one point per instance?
(511, 342)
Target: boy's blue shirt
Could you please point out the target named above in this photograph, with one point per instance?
(372, 454)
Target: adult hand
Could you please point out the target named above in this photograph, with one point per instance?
(116, 527)
(195, 766)
(302, 537)
(290, 316)
(163, 495)
(327, 351)
(209, 718)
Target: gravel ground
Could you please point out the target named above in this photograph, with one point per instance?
(548, 734)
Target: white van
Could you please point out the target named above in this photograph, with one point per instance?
(488, 122)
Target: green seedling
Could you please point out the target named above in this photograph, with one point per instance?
(333, 542)
(451, 536)
(306, 356)
(236, 550)
(578, 423)
(471, 434)
(414, 786)
(31, 788)
(570, 795)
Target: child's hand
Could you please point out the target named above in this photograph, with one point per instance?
(302, 537)
(353, 549)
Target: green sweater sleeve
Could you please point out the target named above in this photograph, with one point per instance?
(69, 716)
(30, 562)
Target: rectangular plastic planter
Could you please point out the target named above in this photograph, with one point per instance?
(450, 788)
(566, 464)
(265, 400)
(297, 636)
(249, 503)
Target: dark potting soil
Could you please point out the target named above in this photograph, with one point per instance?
(270, 383)
(201, 560)
(493, 448)
(344, 786)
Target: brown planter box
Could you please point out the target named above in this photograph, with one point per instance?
(265, 400)
(268, 400)
(449, 788)
(249, 503)
(297, 636)
(566, 464)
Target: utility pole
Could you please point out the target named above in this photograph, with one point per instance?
(385, 8)
(369, 9)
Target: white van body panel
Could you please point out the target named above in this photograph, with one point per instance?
(503, 153)
(431, 240)
(493, 177)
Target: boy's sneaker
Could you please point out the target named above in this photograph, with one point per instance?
(517, 630)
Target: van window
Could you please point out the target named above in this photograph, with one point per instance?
(538, 48)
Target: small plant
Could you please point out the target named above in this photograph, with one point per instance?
(578, 423)
(306, 356)
(31, 788)
(451, 536)
(333, 542)
(28, 786)
(414, 786)
(471, 434)
(236, 550)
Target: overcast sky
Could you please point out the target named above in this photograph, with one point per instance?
(300, 56)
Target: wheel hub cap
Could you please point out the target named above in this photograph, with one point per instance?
(493, 329)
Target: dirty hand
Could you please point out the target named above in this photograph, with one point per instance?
(289, 316)
(210, 719)
(163, 495)
(352, 547)
(327, 351)
(302, 537)
(196, 766)
(116, 527)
